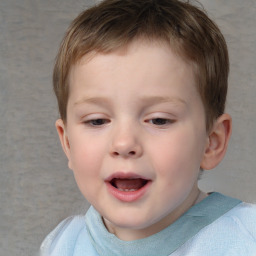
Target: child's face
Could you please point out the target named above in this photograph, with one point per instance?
(135, 136)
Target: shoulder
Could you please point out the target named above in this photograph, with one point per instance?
(65, 239)
(243, 216)
(233, 233)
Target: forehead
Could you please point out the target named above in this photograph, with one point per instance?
(152, 65)
(172, 47)
(140, 50)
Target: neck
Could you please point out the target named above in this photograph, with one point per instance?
(134, 234)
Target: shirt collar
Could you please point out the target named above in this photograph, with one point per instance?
(166, 241)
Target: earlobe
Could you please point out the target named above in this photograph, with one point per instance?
(60, 126)
(217, 142)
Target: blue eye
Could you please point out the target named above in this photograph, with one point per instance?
(160, 121)
(97, 122)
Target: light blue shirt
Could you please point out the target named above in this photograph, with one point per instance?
(217, 226)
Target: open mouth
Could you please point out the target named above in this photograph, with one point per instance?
(128, 185)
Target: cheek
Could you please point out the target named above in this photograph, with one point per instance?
(85, 154)
(86, 160)
(179, 155)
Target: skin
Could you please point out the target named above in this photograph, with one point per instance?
(125, 115)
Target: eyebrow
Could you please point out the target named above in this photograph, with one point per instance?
(93, 100)
(161, 99)
(146, 99)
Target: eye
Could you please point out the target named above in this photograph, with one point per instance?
(97, 122)
(160, 121)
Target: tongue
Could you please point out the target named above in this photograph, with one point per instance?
(129, 183)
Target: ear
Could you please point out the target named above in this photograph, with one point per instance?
(61, 129)
(217, 142)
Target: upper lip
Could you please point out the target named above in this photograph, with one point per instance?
(124, 175)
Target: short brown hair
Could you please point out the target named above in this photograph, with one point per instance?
(115, 23)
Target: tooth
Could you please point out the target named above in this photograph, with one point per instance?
(126, 189)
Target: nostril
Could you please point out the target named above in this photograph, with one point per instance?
(131, 153)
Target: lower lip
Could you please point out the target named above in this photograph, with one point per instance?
(128, 196)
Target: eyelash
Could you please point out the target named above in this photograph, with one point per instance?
(154, 121)
(97, 122)
(161, 121)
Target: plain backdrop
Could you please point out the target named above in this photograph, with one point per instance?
(37, 190)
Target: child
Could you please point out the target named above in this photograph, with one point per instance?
(141, 87)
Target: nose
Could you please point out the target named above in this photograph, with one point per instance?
(126, 143)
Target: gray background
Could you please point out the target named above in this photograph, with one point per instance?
(37, 189)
